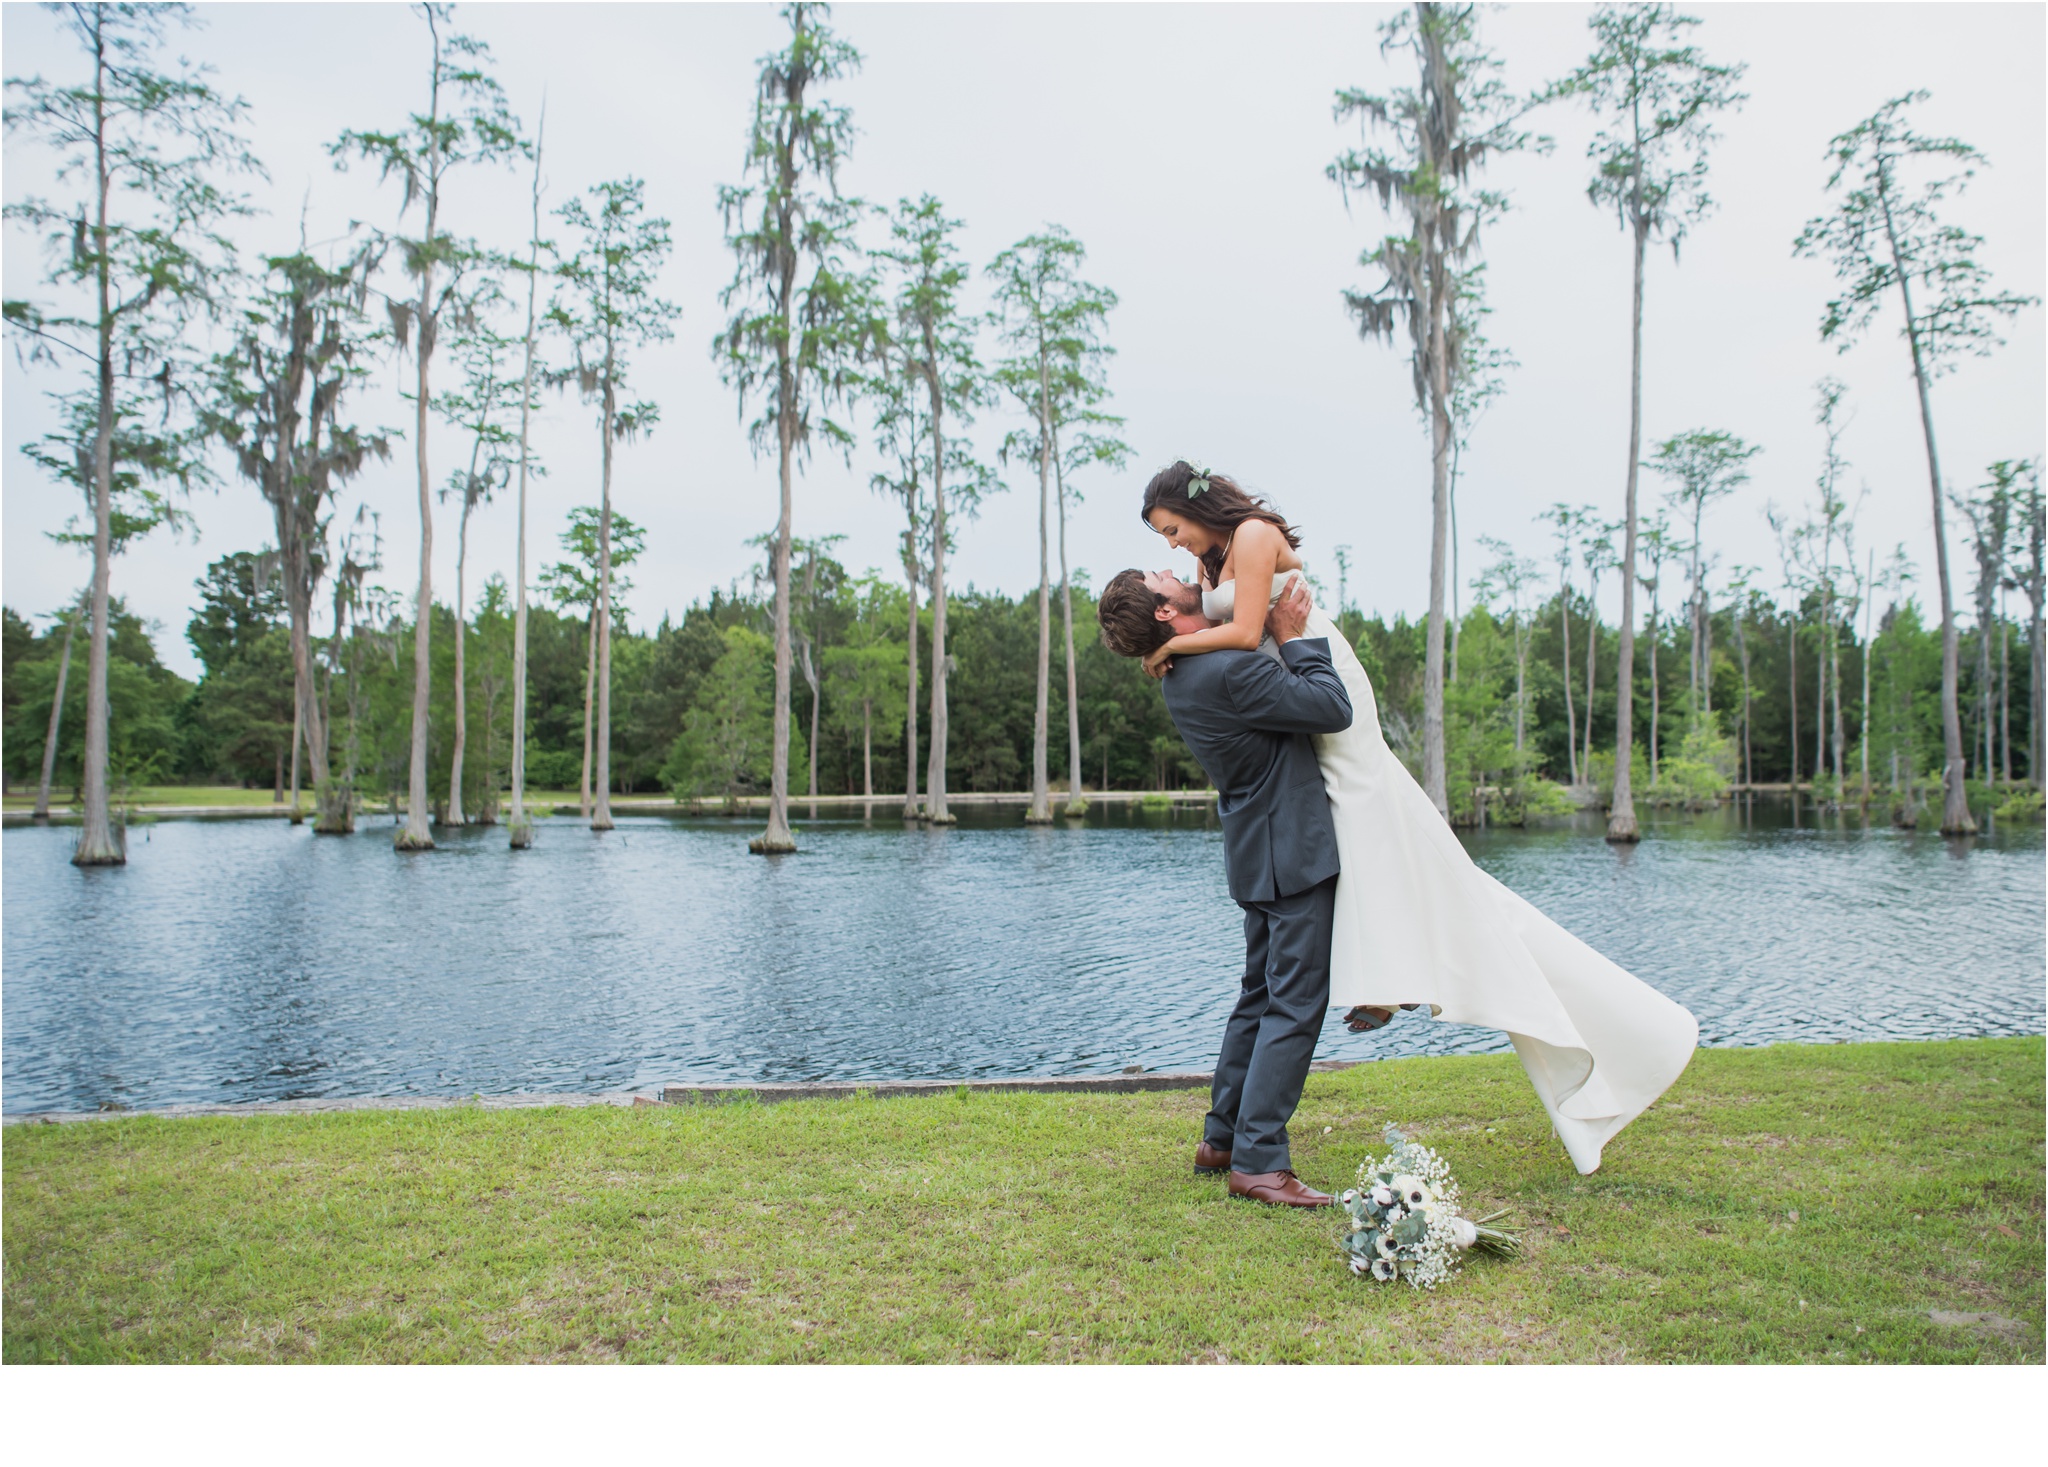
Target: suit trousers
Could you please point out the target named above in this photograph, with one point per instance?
(1271, 1037)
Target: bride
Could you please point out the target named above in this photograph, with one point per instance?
(1417, 922)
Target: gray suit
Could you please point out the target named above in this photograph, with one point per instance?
(1247, 718)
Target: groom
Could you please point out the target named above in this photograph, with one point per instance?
(1247, 717)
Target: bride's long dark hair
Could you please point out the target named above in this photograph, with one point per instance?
(1222, 507)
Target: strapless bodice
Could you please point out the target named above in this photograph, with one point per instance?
(1221, 603)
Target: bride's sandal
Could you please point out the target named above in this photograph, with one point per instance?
(1365, 1018)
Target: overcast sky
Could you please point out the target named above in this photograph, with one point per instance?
(1185, 145)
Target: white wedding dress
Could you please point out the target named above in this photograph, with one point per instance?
(1418, 922)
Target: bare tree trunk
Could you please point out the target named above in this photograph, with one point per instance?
(1742, 651)
(935, 809)
(97, 843)
(1434, 781)
(1869, 586)
(776, 839)
(298, 733)
(416, 836)
(867, 747)
(1621, 819)
(309, 712)
(335, 801)
(1040, 810)
(1706, 652)
(487, 795)
(1842, 730)
(2005, 699)
(1692, 658)
(2037, 656)
(1820, 668)
(1955, 808)
(910, 696)
(1792, 698)
(1696, 611)
(42, 810)
(1521, 679)
(1984, 683)
(1076, 805)
(454, 815)
(601, 812)
(1592, 668)
(2037, 695)
(811, 681)
(1656, 691)
(1457, 619)
(1571, 726)
(589, 694)
(522, 828)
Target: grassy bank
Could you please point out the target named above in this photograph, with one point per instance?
(1861, 1202)
(228, 796)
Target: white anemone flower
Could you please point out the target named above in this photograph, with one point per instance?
(1385, 1245)
(1350, 1194)
(1382, 1269)
(1414, 1191)
(1383, 1196)
(1361, 1266)
(1395, 1214)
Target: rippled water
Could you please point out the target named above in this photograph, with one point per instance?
(250, 961)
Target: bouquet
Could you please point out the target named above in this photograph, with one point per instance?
(1404, 1218)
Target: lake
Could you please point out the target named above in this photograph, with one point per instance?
(248, 960)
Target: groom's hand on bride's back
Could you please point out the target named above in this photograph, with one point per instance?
(1289, 617)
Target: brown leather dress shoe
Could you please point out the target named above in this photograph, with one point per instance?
(1209, 1161)
(1281, 1189)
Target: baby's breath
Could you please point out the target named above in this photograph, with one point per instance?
(1402, 1218)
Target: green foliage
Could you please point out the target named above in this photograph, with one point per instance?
(607, 304)
(168, 145)
(572, 584)
(240, 716)
(240, 602)
(1905, 698)
(150, 460)
(1441, 132)
(235, 724)
(467, 124)
(1479, 725)
(1656, 98)
(148, 718)
(2020, 804)
(726, 743)
(1053, 324)
(1886, 233)
(1695, 778)
(803, 320)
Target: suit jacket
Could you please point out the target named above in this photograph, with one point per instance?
(1247, 717)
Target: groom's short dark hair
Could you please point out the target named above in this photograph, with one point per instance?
(1128, 614)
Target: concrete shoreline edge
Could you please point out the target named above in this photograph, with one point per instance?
(1129, 1082)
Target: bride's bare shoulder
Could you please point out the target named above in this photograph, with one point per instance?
(1263, 540)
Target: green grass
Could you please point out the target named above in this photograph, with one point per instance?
(173, 794)
(1782, 1204)
(190, 795)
